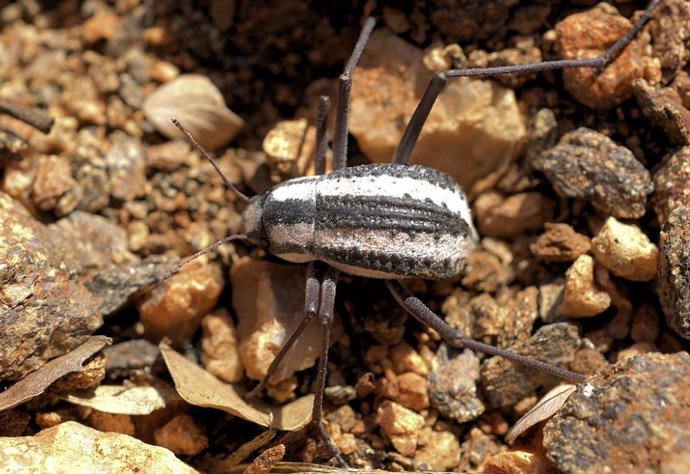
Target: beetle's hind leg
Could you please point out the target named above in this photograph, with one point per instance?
(456, 339)
(414, 126)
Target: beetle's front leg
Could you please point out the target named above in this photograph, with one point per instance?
(312, 294)
(457, 340)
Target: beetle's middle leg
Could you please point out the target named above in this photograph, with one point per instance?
(457, 340)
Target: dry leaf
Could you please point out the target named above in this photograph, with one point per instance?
(198, 387)
(199, 105)
(120, 400)
(37, 382)
(544, 409)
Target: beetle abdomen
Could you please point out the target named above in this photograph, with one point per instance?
(380, 221)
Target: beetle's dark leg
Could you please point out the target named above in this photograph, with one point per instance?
(414, 127)
(343, 106)
(326, 315)
(456, 339)
(311, 308)
(321, 145)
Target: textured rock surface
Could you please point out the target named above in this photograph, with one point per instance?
(590, 166)
(71, 447)
(588, 35)
(625, 250)
(671, 183)
(505, 383)
(560, 243)
(473, 128)
(633, 417)
(453, 386)
(674, 270)
(582, 296)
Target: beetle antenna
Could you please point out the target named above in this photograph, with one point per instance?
(210, 159)
(201, 252)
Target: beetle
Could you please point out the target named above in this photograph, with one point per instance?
(387, 221)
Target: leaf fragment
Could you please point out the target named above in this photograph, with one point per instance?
(544, 409)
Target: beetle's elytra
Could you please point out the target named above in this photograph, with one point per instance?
(378, 221)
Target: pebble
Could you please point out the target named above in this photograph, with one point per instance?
(110, 422)
(505, 383)
(406, 359)
(439, 450)
(674, 276)
(625, 250)
(268, 299)
(582, 297)
(560, 243)
(401, 425)
(100, 27)
(671, 183)
(664, 108)
(636, 349)
(174, 309)
(645, 324)
(669, 28)
(505, 217)
(518, 461)
(632, 417)
(590, 166)
(181, 435)
(53, 181)
(219, 347)
(71, 447)
(289, 147)
(453, 386)
(480, 118)
(409, 390)
(125, 162)
(588, 35)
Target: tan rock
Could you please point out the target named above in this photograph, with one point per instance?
(269, 301)
(581, 296)
(504, 217)
(440, 450)
(474, 126)
(71, 447)
(53, 180)
(174, 309)
(406, 359)
(181, 435)
(111, 422)
(518, 462)
(409, 389)
(560, 243)
(626, 251)
(289, 147)
(401, 425)
(219, 346)
(100, 27)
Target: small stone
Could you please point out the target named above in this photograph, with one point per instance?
(588, 35)
(109, 422)
(560, 243)
(406, 359)
(488, 268)
(625, 250)
(645, 324)
(664, 108)
(53, 180)
(519, 462)
(167, 156)
(474, 127)
(269, 301)
(582, 297)
(505, 383)
(590, 166)
(669, 28)
(289, 147)
(439, 450)
(130, 355)
(409, 390)
(477, 448)
(453, 386)
(163, 71)
(181, 435)
(175, 308)
(636, 349)
(400, 425)
(550, 297)
(71, 447)
(220, 354)
(505, 217)
(126, 167)
(674, 274)
(99, 27)
(648, 433)
(671, 183)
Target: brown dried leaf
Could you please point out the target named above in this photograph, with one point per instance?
(544, 409)
(200, 388)
(120, 400)
(199, 105)
(37, 382)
